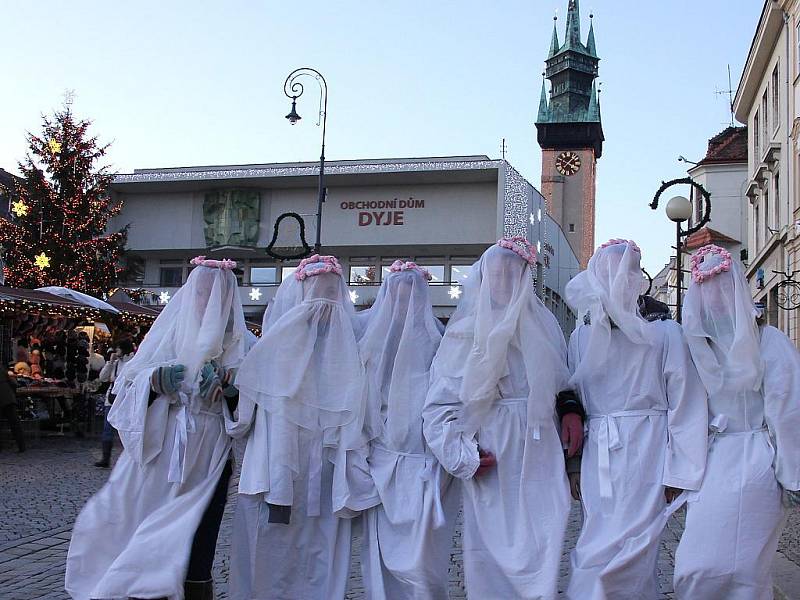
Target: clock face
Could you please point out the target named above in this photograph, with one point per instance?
(568, 163)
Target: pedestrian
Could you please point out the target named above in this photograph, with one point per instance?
(752, 375)
(138, 536)
(304, 474)
(405, 551)
(8, 409)
(647, 417)
(490, 419)
(122, 355)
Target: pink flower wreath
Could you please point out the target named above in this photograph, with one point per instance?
(315, 265)
(399, 265)
(520, 246)
(616, 241)
(202, 261)
(700, 275)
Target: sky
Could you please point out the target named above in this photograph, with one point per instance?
(191, 82)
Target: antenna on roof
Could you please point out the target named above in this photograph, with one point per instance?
(729, 92)
(503, 148)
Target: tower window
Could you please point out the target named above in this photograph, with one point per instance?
(572, 227)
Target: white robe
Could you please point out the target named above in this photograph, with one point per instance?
(734, 522)
(647, 421)
(134, 537)
(515, 515)
(308, 559)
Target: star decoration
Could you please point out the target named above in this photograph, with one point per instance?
(42, 261)
(455, 292)
(55, 146)
(533, 219)
(353, 296)
(255, 294)
(163, 297)
(539, 247)
(539, 213)
(19, 208)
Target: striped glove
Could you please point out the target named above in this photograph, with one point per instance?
(210, 384)
(226, 379)
(167, 380)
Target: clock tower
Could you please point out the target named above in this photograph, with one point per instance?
(570, 134)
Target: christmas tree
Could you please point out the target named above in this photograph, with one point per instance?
(56, 232)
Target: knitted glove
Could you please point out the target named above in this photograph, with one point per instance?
(226, 379)
(210, 384)
(167, 380)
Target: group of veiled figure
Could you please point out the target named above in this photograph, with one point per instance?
(385, 422)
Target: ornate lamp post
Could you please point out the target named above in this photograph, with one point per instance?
(293, 89)
(679, 210)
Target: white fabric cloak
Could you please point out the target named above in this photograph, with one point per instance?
(494, 384)
(133, 538)
(406, 543)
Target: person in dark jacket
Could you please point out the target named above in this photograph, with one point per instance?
(8, 409)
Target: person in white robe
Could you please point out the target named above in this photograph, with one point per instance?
(647, 419)
(134, 537)
(405, 551)
(752, 375)
(304, 471)
(490, 420)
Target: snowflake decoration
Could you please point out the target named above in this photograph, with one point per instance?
(353, 296)
(455, 292)
(19, 208)
(55, 146)
(42, 261)
(163, 297)
(255, 294)
(533, 219)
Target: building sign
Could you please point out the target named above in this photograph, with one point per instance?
(382, 212)
(231, 217)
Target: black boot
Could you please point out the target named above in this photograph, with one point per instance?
(105, 462)
(198, 590)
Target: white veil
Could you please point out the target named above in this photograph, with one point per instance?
(719, 322)
(203, 321)
(397, 349)
(305, 367)
(609, 291)
(499, 309)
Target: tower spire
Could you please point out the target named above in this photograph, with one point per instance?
(593, 112)
(573, 34)
(590, 44)
(543, 110)
(554, 45)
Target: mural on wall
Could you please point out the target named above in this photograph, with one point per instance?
(231, 217)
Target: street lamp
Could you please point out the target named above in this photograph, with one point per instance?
(679, 210)
(293, 90)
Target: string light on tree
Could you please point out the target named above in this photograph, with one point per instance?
(55, 146)
(42, 261)
(19, 208)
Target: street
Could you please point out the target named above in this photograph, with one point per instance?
(44, 489)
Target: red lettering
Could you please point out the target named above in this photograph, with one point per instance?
(364, 219)
(398, 217)
(377, 216)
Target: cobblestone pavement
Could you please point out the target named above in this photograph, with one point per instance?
(42, 491)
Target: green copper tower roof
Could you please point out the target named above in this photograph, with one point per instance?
(554, 45)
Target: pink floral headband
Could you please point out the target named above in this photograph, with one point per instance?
(700, 275)
(202, 261)
(520, 246)
(617, 241)
(315, 265)
(399, 265)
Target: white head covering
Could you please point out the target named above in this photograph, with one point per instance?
(305, 367)
(397, 348)
(719, 322)
(203, 321)
(499, 309)
(609, 291)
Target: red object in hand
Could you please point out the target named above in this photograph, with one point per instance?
(572, 433)
(488, 460)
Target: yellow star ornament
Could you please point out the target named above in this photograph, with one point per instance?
(55, 146)
(19, 208)
(42, 261)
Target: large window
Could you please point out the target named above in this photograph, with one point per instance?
(756, 228)
(363, 274)
(765, 123)
(765, 216)
(776, 201)
(757, 138)
(171, 277)
(775, 98)
(263, 275)
(437, 273)
(288, 272)
(459, 273)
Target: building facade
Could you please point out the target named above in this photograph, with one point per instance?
(440, 212)
(570, 133)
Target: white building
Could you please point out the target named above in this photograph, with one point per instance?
(441, 212)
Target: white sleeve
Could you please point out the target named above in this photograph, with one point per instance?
(353, 487)
(687, 414)
(782, 404)
(107, 371)
(457, 453)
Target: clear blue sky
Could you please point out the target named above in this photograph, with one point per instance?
(175, 83)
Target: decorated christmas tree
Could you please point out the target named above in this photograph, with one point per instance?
(56, 232)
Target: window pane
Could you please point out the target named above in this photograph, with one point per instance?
(437, 273)
(287, 272)
(363, 275)
(263, 275)
(171, 276)
(458, 273)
